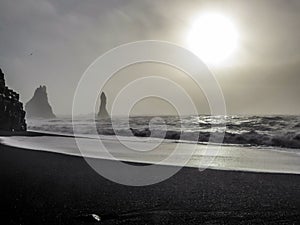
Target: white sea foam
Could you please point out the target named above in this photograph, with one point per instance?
(260, 131)
(228, 158)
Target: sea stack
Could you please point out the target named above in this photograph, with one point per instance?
(12, 115)
(38, 106)
(103, 114)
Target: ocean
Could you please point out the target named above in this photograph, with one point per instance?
(251, 143)
(259, 131)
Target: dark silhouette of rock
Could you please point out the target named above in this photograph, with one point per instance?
(103, 114)
(141, 133)
(12, 115)
(38, 106)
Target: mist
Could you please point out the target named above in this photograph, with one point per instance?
(51, 42)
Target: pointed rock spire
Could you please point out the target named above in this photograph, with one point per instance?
(103, 114)
(38, 106)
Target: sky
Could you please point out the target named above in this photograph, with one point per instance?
(52, 43)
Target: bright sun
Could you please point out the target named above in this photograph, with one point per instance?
(213, 38)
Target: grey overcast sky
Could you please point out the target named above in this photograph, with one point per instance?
(52, 42)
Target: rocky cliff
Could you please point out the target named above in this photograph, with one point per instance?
(103, 114)
(12, 115)
(38, 106)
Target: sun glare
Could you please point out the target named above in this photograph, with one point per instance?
(213, 38)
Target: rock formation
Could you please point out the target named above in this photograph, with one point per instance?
(12, 115)
(103, 114)
(38, 106)
(141, 133)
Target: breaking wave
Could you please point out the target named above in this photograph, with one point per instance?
(273, 131)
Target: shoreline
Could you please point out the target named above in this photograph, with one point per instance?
(225, 158)
(51, 188)
(147, 164)
(31, 134)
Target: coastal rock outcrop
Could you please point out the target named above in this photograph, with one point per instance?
(103, 114)
(38, 106)
(12, 115)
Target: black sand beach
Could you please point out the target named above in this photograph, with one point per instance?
(48, 188)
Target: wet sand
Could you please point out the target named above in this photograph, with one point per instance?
(50, 188)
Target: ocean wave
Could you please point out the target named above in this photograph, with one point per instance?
(277, 131)
(251, 138)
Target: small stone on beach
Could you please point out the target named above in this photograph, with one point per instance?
(90, 218)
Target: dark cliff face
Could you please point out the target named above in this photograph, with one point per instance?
(38, 106)
(12, 115)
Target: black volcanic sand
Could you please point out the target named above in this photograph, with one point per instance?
(48, 188)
